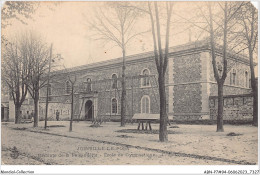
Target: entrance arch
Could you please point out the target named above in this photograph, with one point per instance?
(89, 109)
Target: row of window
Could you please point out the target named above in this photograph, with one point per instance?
(234, 78)
(145, 105)
(233, 101)
(145, 82)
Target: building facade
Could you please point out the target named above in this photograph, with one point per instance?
(190, 86)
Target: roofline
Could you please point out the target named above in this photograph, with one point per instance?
(195, 46)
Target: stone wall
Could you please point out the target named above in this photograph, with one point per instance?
(241, 85)
(187, 68)
(193, 83)
(236, 107)
(189, 83)
(102, 87)
(228, 90)
(63, 108)
(187, 87)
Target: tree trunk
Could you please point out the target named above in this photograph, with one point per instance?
(123, 105)
(254, 88)
(220, 107)
(36, 109)
(18, 116)
(48, 86)
(255, 106)
(72, 102)
(47, 103)
(163, 134)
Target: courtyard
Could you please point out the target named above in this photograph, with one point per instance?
(111, 144)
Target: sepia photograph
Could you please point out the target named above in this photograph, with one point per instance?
(129, 83)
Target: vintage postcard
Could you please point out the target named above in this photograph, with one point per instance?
(129, 83)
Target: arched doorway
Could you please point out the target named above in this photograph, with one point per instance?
(89, 109)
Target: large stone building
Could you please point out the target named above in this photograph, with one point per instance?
(190, 86)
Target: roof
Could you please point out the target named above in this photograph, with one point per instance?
(188, 47)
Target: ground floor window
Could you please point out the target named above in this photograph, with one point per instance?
(114, 106)
(145, 104)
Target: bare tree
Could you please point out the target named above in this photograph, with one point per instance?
(22, 11)
(18, 10)
(72, 83)
(161, 60)
(38, 54)
(54, 62)
(219, 21)
(48, 89)
(117, 26)
(221, 32)
(248, 20)
(160, 54)
(15, 71)
(72, 88)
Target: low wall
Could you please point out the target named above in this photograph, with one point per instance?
(236, 107)
(63, 108)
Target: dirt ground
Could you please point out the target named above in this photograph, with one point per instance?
(85, 145)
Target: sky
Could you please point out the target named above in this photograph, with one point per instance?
(67, 27)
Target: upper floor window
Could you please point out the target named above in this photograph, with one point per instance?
(145, 104)
(246, 79)
(88, 85)
(233, 77)
(68, 87)
(114, 106)
(114, 81)
(145, 80)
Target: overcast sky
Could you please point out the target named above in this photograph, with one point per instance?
(67, 28)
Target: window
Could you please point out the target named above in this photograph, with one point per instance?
(68, 87)
(88, 85)
(230, 78)
(212, 103)
(114, 81)
(145, 104)
(246, 79)
(233, 77)
(114, 106)
(146, 80)
(249, 82)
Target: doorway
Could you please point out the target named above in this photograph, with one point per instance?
(89, 109)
